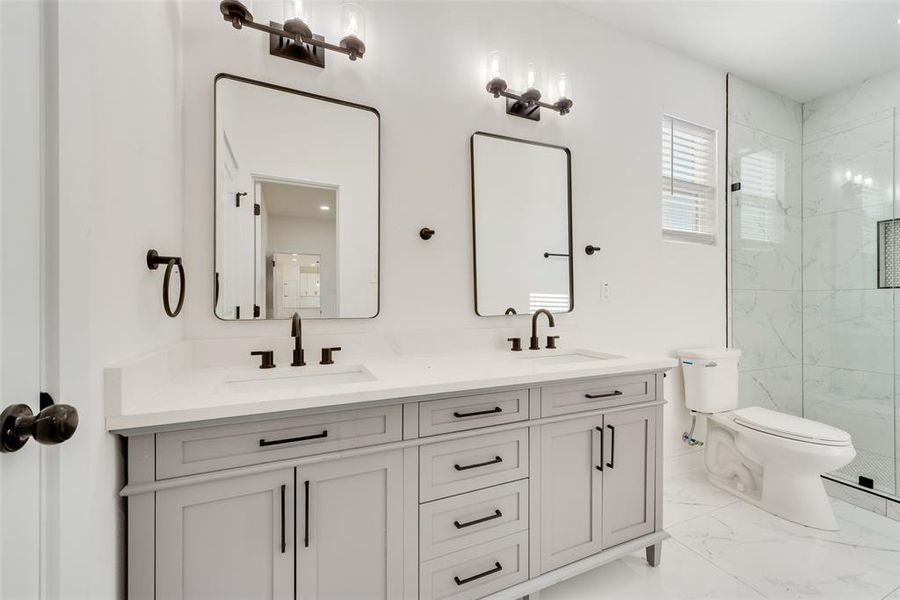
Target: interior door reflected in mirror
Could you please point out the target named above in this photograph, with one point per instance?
(522, 216)
(296, 204)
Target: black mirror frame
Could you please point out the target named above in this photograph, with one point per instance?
(280, 88)
(568, 201)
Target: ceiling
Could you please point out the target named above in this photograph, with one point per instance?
(299, 201)
(801, 49)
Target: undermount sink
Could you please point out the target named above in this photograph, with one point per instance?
(318, 378)
(570, 358)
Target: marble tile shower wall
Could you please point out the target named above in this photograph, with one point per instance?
(764, 154)
(849, 325)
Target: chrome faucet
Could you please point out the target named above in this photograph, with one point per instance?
(297, 334)
(534, 337)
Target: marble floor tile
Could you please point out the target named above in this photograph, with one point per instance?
(689, 495)
(781, 559)
(681, 574)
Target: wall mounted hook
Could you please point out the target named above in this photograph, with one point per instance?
(425, 233)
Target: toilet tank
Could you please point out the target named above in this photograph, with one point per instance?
(710, 378)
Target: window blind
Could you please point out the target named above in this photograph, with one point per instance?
(688, 181)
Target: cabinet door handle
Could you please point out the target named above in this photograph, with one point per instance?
(612, 446)
(496, 460)
(302, 438)
(599, 467)
(283, 535)
(497, 568)
(609, 395)
(497, 514)
(306, 514)
(460, 415)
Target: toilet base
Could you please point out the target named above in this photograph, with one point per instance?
(779, 476)
(781, 501)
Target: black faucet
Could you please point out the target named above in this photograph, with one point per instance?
(534, 337)
(297, 334)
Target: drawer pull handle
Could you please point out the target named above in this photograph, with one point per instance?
(283, 505)
(303, 438)
(497, 568)
(612, 447)
(600, 466)
(496, 460)
(609, 395)
(460, 415)
(497, 514)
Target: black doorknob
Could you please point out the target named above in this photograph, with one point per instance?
(53, 425)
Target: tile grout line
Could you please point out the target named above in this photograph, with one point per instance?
(719, 567)
(888, 595)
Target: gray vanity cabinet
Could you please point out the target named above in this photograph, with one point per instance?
(571, 491)
(227, 539)
(350, 528)
(629, 475)
(597, 484)
(497, 493)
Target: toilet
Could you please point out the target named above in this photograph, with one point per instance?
(771, 459)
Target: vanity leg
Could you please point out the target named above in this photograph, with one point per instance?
(654, 554)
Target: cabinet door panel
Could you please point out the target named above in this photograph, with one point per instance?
(354, 528)
(629, 484)
(571, 488)
(223, 539)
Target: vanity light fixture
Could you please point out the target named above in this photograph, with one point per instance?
(527, 104)
(294, 39)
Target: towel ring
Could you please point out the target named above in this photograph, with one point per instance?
(153, 262)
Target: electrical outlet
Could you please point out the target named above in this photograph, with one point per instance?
(604, 291)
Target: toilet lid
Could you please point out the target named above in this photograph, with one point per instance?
(791, 427)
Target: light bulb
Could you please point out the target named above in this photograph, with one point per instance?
(496, 65)
(563, 87)
(857, 179)
(296, 9)
(532, 76)
(353, 21)
(849, 175)
(868, 182)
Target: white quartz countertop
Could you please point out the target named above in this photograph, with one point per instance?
(194, 396)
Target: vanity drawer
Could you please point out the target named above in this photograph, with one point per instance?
(477, 571)
(471, 412)
(467, 464)
(215, 448)
(597, 393)
(466, 520)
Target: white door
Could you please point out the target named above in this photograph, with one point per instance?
(350, 528)
(20, 291)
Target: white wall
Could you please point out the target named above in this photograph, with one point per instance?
(136, 168)
(119, 193)
(422, 72)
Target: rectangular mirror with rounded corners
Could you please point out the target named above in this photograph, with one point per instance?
(522, 219)
(296, 204)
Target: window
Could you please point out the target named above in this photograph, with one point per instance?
(688, 181)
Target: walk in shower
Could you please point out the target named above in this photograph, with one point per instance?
(814, 262)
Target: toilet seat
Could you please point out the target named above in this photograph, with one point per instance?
(790, 427)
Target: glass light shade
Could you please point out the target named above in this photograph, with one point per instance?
(297, 9)
(563, 88)
(532, 76)
(353, 21)
(496, 65)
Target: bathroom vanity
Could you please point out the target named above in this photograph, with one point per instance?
(491, 475)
